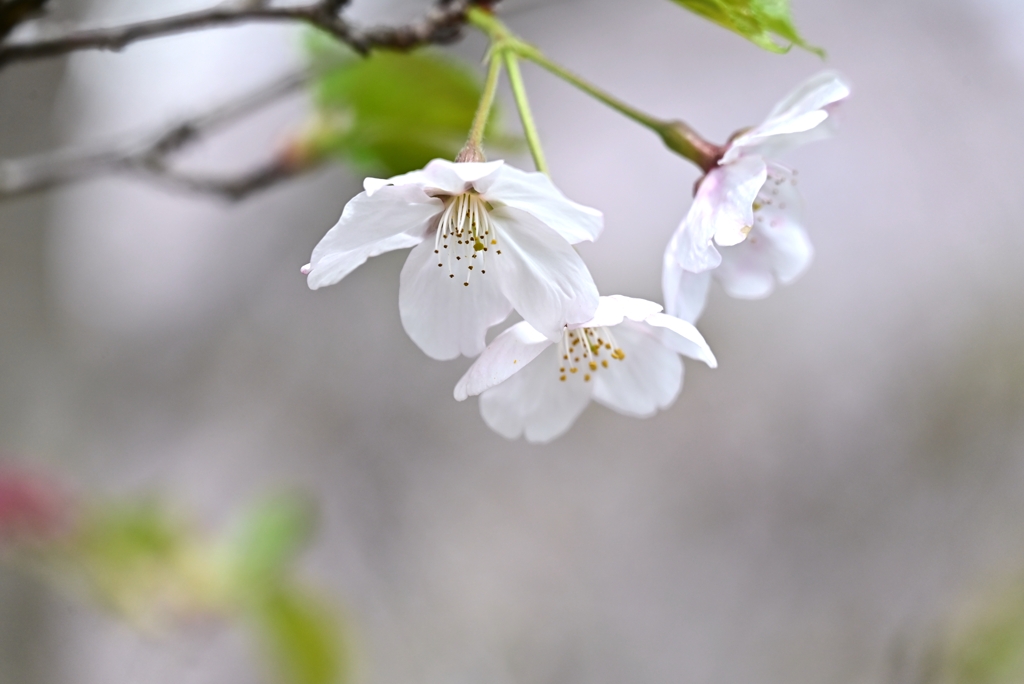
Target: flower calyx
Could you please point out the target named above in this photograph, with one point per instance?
(685, 141)
(471, 152)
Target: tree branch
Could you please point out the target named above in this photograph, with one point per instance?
(150, 156)
(441, 25)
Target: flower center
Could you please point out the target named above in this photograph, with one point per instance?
(466, 236)
(769, 203)
(585, 351)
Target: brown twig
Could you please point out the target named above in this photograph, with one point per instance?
(150, 156)
(440, 25)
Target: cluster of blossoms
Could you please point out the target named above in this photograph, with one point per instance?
(488, 239)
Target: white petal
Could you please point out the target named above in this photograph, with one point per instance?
(393, 218)
(507, 354)
(732, 199)
(535, 402)
(682, 338)
(442, 316)
(685, 292)
(611, 310)
(454, 178)
(372, 185)
(648, 379)
(778, 246)
(779, 222)
(746, 271)
(536, 194)
(796, 120)
(541, 274)
(722, 211)
(817, 92)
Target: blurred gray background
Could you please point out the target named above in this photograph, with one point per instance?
(811, 511)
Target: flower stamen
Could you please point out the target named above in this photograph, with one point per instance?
(467, 223)
(595, 343)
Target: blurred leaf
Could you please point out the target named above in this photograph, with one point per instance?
(304, 637)
(141, 559)
(270, 539)
(990, 650)
(390, 112)
(766, 23)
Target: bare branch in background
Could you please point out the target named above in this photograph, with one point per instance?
(441, 25)
(150, 156)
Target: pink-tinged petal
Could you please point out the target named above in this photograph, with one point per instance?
(506, 355)
(733, 198)
(722, 212)
(685, 292)
(536, 194)
(778, 246)
(541, 274)
(442, 315)
(613, 309)
(778, 221)
(441, 176)
(746, 271)
(393, 218)
(796, 120)
(647, 379)
(534, 403)
(682, 338)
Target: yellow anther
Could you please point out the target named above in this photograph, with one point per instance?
(573, 370)
(593, 366)
(586, 378)
(562, 378)
(605, 363)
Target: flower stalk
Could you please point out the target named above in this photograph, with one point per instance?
(473, 149)
(515, 79)
(677, 135)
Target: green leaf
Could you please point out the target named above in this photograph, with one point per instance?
(390, 112)
(269, 540)
(766, 23)
(304, 638)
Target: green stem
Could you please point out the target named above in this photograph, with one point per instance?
(515, 79)
(534, 55)
(677, 135)
(483, 110)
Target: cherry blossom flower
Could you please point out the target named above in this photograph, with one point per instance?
(626, 357)
(744, 227)
(487, 238)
